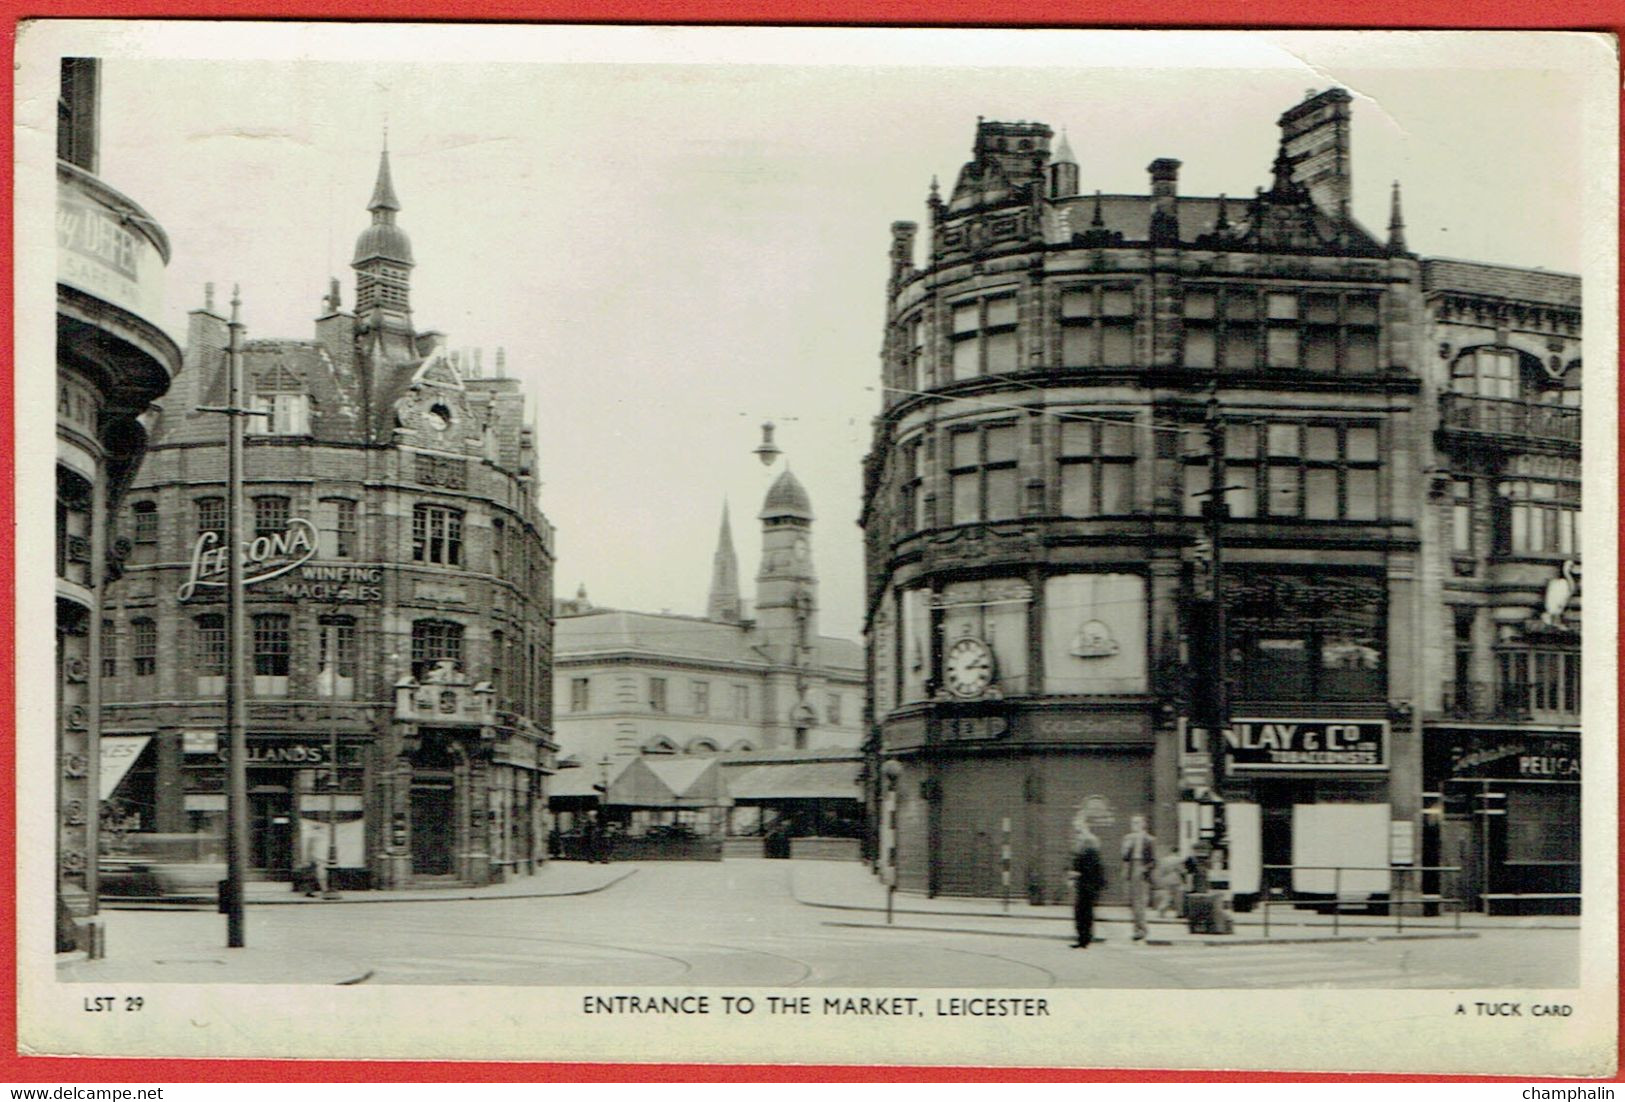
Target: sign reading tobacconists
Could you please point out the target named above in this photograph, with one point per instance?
(1303, 744)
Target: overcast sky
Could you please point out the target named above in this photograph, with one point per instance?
(672, 254)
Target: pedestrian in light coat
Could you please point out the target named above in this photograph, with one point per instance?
(1139, 861)
(1088, 878)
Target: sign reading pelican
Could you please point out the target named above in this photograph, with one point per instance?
(263, 557)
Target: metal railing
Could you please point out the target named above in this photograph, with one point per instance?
(1510, 417)
(1485, 700)
(1337, 901)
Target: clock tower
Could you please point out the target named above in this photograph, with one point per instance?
(786, 585)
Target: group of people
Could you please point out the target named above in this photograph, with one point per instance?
(1151, 882)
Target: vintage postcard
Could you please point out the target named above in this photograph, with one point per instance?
(818, 546)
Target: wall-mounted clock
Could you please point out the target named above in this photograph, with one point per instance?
(967, 668)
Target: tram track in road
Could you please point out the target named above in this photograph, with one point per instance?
(806, 969)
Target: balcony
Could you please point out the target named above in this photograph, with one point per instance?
(1514, 702)
(1512, 420)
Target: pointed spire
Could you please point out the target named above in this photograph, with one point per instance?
(1396, 225)
(383, 192)
(1097, 222)
(935, 198)
(1222, 223)
(723, 604)
(1063, 152)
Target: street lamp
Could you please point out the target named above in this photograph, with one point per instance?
(231, 901)
(1212, 705)
(330, 675)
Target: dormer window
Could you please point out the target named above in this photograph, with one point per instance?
(281, 397)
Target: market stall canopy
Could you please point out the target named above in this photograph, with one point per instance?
(669, 782)
(795, 780)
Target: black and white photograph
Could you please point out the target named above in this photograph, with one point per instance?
(976, 546)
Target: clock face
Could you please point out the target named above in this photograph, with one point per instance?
(967, 668)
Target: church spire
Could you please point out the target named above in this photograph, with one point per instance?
(383, 192)
(723, 604)
(383, 262)
(1396, 225)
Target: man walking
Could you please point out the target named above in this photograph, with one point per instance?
(1139, 859)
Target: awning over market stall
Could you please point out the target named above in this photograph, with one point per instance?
(669, 783)
(795, 780)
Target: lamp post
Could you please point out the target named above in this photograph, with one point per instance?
(330, 675)
(231, 901)
(1211, 705)
(602, 856)
(890, 774)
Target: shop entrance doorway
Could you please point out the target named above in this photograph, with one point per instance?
(434, 826)
(270, 830)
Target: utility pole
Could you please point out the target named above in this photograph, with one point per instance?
(231, 901)
(1217, 508)
(1210, 705)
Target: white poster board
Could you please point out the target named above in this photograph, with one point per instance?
(1353, 836)
(1244, 825)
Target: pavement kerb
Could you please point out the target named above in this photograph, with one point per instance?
(1378, 932)
(451, 896)
(261, 968)
(1155, 942)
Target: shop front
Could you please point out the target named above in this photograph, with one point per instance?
(459, 795)
(982, 800)
(1504, 808)
(1307, 807)
(295, 810)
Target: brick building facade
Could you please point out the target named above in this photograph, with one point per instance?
(1502, 730)
(112, 362)
(1033, 515)
(399, 588)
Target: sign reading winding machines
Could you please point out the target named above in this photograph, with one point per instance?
(276, 556)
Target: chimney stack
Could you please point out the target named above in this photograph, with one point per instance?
(1164, 201)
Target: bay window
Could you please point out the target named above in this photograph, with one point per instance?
(982, 473)
(1289, 469)
(1097, 326)
(984, 336)
(1537, 517)
(1096, 461)
(1236, 329)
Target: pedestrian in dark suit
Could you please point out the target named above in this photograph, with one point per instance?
(1088, 880)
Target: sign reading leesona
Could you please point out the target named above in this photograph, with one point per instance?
(1335, 744)
(262, 558)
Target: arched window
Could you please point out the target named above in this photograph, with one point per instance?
(703, 746)
(660, 744)
(270, 515)
(145, 514)
(433, 642)
(1487, 373)
(211, 516)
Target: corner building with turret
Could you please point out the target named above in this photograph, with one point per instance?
(1034, 516)
(399, 598)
